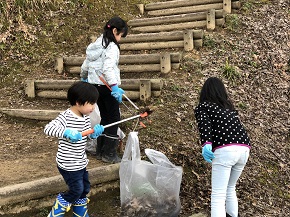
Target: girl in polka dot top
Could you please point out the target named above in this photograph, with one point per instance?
(225, 144)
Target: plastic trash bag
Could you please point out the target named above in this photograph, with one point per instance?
(95, 118)
(148, 189)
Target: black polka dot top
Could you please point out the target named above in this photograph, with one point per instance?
(219, 126)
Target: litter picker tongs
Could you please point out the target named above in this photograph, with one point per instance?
(142, 115)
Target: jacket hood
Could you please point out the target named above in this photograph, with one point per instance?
(95, 49)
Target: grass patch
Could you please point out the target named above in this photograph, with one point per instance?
(230, 72)
(232, 22)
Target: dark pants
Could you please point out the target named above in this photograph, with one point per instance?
(78, 184)
(109, 109)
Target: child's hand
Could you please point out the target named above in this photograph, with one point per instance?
(72, 135)
(207, 153)
(98, 130)
(84, 79)
(117, 93)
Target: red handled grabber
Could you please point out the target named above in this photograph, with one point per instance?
(142, 115)
(133, 104)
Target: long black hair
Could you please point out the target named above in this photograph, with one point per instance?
(215, 91)
(108, 36)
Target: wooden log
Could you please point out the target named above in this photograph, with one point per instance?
(73, 61)
(133, 95)
(211, 19)
(236, 5)
(42, 187)
(31, 114)
(175, 65)
(167, 19)
(171, 27)
(152, 45)
(127, 59)
(145, 90)
(30, 88)
(161, 36)
(197, 43)
(51, 94)
(165, 68)
(148, 58)
(141, 8)
(53, 84)
(127, 84)
(59, 65)
(76, 70)
(172, 19)
(184, 10)
(188, 40)
(178, 3)
(220, 22)
(134, 84)
(123, 68)
(145, 68)
(140, 68)
(227, 6)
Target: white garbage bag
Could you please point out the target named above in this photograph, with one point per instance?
(148, 188)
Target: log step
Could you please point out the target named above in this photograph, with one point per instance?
(181, 18)
(127, 68)
(127, 59)
(135, 89)
(160, 36)
(185, 10)
(35, 114)
(178, 3)
(127, 84)
(176, 26)
(128, 63)
(202, 5)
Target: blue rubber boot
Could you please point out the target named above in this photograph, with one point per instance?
(59, 208)
(80, 208)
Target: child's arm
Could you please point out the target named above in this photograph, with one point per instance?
(56, 127)
(111, 60)
(204, 125)
(205, 130)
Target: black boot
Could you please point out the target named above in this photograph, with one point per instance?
(109, 154)
(99, 147)
(228, 215)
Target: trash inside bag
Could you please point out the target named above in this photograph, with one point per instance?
(148, 189)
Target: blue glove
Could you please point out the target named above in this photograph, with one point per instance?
(72, 135)
(84, 79)
(117, 93)
(207, 153)
(98, 130)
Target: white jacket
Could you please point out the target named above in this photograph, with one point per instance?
(101, 62)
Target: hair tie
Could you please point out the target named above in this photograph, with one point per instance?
(108, 26)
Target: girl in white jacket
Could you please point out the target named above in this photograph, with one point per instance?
(101, 64)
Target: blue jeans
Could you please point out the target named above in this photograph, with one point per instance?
(78, 184)
(227, 167)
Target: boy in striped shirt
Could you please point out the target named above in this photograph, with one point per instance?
(71, 157)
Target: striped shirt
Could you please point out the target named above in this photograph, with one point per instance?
(70, 156)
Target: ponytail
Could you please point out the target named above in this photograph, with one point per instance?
(108, 36)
